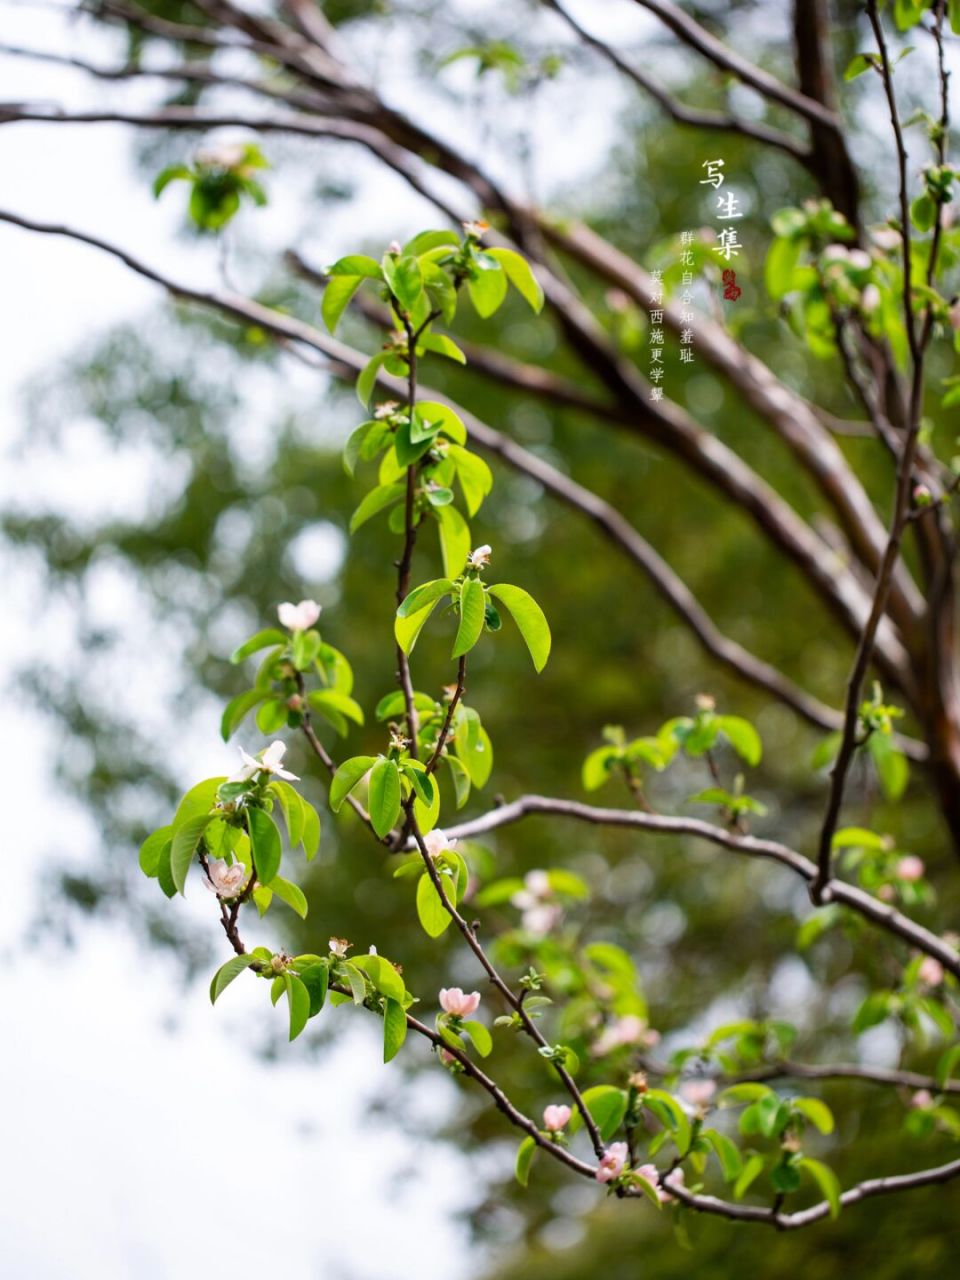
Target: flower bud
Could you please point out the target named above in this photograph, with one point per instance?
(556, 1118)
(910, 868)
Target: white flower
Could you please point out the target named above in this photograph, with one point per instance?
(268, 762)
(394, 248)
(538, 882)
(224, 881)
(222, 156)
(476, 228)
(386, 409)
(480, 557)
(870, 299)
(437, 841)
(699, 1092)
(857, 258)
(885, 237)
(298, 617)
(339, 946)
(541, 920)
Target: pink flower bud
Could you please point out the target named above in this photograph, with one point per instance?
(922, 495)
(298, 617)
(613, 1162)
(555, 1118)
(674, 1179)
(922, 1099)
(436, 841)
(930, 972)
(457, 1004)
(910, 868)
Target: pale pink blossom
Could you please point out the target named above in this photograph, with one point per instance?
(922, 1099)
(541, 919)
(674, 1179)
(650, 1173)
(556, 1117)
(870, 299)
(629, 1029)
(480, 556)
(225, 881)
(268, 761)
(885, 237)
(394, 248)
(339, 946)
(447, 1058)
(224, 155)
(699, 1093)
(457, 1003)
(859, 259)
(438, 841)
(298, 617)
(930, 972)
(613, 1162)
(910, 868)
(538, 882)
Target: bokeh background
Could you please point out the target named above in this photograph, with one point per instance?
(166, 480)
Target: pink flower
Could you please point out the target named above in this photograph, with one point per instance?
(555, 1118)
(224, 881)
(447, 1058)
(437, 841)
(626, 1030)
(458, 1005)
(699, 1092)
(298, 617)
(613, 1162)
(930, 972)
(479, 558)
(922, 1099)
(910, 868)
(674, 1179)
(651, 1174)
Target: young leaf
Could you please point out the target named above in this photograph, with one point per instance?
(291, 894)
(377, 500)
(481, 1037)
(226, 974)
(420, 597)
(422, 784)
(385, 978)
(433, 411)
(298, 998)
(384, 795)
(817, 1112)
(406, 630)
(311, 831)
(315, 977)
(184, 848)
(607, 1105)
(487, 291)
(525, 1153)
(292, 806)
(432, 914)
(530, 620)
(368, 377)
(237, 708)
(454, 539)
(520, 276)
(336, 298)
(152, 848)
(750, 1172)
(743, 737)
(346, 778)
(265, 844)
(357, 264)
(471, 616)
(394, 1029)
(826, 1180)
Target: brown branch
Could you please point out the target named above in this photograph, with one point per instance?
(847, 895)
(727, 59)
(679, 111)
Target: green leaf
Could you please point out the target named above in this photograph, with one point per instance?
(184, 848)
(432, 914)
(226, 974)
(407, 630)
(607, 1105)
(923, 212)
(750, 1172)
(298, 998)
(237, 708)
(475, 752)
(292, 806)
(476, 478)
(727, 1153)
(740, 1093)
(420, 597)
(598, 766)
(647, 1187)
(368, 377)
(377, 500)
(817, 1112)
(525, 1153)
(953, 9)
(357, 264)
(336, 298)
(451, 424)
(352, 449)
(426, 240)
(384, 795)
(891, 764)
(858, 64)
(481, 1037)
(335, 706)
(262, 640)
(826, 1180)
(394, 1029)
(441, 345)
(471, 616)
(347, 776)
(311, 831)
(422, 784)
(265, 845)
(520, 276)
(198, 801)
(358, 986)
(743, 737)
(487, 291)
(454, 540)
(291, 894)
(947, 1065)
(404, 279)
(530, 620)
(152, 848)
(164, 872)
(172, 173)
(780, 267)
